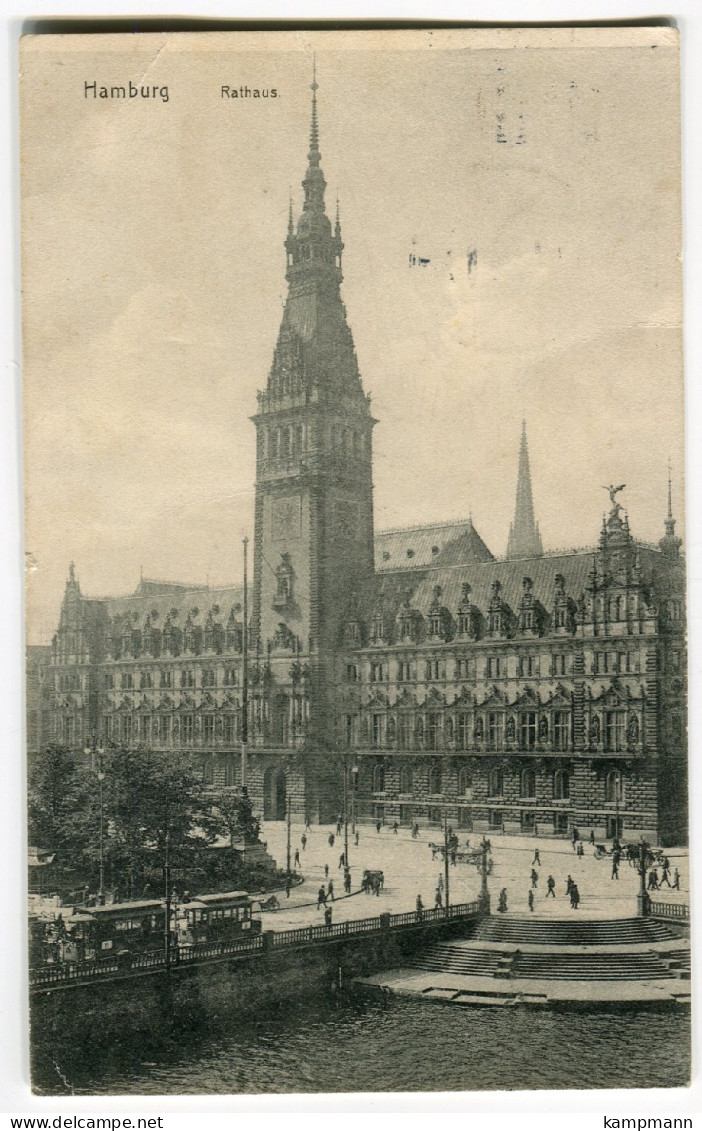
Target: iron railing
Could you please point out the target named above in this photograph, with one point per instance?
(680, 912)
(45, 976)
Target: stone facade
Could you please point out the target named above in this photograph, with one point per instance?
(407, 674)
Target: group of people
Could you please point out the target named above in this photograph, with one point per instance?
(655, 882)
(571, 886)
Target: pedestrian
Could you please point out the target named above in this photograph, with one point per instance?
(287, 887)
(581, 848)
(569, 885)
(454, 856)
(502, 902)
(665, 878)
(676, 879)
(378, 826)
(321, 897)
(303, 842)
(530, 899)
(326, 871)
(537, 858)
(331, 840)
(550, 887)
(327, 916)
(419, 905)
(574, 897)
(308, 824)
(534, 877)
(592, 836)
(438, 900)
(575, 838)
(615, 867)
(653, 880)
(347, 882)
(297, 858)
(330, 889)
(357, 837)
(342, 860)
(394, 828)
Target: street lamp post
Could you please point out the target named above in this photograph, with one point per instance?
(484, 899)
(288, 822)
(643, 900)
(346, 813)
(91, 752)
(245, 675)
(446, 860)
(354, 780)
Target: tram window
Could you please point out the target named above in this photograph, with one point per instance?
(106, 945)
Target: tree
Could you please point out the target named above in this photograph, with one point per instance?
(61, 817)
(236, 814)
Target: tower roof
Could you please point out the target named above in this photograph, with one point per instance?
(524, 537)
(314, 356)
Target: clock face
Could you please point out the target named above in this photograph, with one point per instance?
(285, 518)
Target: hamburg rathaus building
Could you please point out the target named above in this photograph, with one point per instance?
(408, 673)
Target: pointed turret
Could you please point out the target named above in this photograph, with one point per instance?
(524, 538)
(670, 544)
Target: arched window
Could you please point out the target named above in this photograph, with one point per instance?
(528, 783)
(379, 778)
(448, 729)
(496, 783)
(435, 779)
(406, 779)
(464, 782)
(561, 785)
(614, 787)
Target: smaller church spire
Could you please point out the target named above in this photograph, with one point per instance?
(314, 183)
(337, 223)
(524, 537)
(670, 544)
(291, 228)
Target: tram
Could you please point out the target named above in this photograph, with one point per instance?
(118, 928)
(220, 917)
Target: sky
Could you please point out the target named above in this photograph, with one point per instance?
(153, 284)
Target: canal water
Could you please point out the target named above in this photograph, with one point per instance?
(399, 1045)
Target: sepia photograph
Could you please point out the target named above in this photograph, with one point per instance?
(356, 685)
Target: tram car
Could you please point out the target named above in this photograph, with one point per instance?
(118, 928)
(220, 917)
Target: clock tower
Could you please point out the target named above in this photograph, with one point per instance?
(313, 540)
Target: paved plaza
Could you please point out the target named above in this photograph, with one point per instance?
(410, 870)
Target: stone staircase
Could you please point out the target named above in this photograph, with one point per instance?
(566, 932)
(604, 951)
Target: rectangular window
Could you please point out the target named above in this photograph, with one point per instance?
(561, 730)
(404, 731)
(187, 678)
(615, 730)
(495, 730)
(527, 730)
(230, 728)
(674, 663)
(351, 730)
(377, 673)
(166, 678)
(127, 728)
(109, 681)
(230, 677)
(186, 733)
(351, 673)
(463, 730)
(435, 669)
(209, 677)
(127, 681)
(147, 680)
(405, 671)
(528, 667)
(378, 730)
(560, 664)
(209, 729)
(145, 728)
(493, 667)
(433, 731)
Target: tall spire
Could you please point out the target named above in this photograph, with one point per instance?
(524, 537)
(670, 543)
(314, 183)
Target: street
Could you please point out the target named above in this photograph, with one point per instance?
(410, 871)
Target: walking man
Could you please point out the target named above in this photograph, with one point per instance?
(326, 871)
(303, 842)
(420, 906)
(438, 901)
(569, 885)
(357, 838)
(321, 897)
(327, 916)
(331, 840)
(615, 867)
(342, 860)
(530, 900)
(550, 887)
(534, 877)
(676, 879)
(665, 878)
(338, 827)
(653, 880)
(394, 828)
(537, 858)
(378, 826)
(297, 858)
(330, 889)
(347, 881)
(592, 836)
